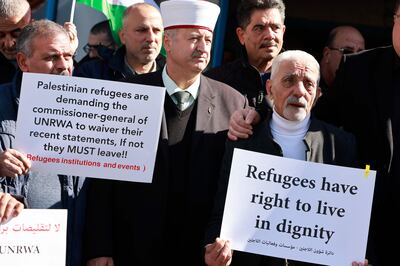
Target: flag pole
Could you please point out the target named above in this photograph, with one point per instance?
(71, 18)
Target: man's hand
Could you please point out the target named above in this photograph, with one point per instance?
(73, 35)
(9, 207)
(101, 261)
(218, 253)
(365, 263)
(240, 124)
(13, 163)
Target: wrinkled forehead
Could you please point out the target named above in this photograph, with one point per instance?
(16, 22)
(298, 67)
(193, 31)
(58, 42)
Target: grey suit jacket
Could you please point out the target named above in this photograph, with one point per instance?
(136, 226)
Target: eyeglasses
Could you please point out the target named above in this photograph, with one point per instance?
(345, 50)
(89, 47)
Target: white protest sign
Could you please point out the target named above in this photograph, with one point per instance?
(35, 237)
(89, 127)
(298, 210)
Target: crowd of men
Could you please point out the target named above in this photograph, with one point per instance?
(268, 101)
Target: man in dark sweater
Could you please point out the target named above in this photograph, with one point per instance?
(164, 222)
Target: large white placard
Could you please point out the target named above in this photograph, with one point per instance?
(35, 238)
(89, 127)
(298, 210)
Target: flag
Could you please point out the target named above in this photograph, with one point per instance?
(113, 10)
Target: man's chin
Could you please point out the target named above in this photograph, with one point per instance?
(295, 115)
(9, 55)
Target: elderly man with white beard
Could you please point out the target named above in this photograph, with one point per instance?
(291, 132)
(42, 47)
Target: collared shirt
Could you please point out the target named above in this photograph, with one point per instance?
(171, 88)
(129, 71)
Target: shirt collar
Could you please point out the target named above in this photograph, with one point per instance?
(171, 86)
(133, 72)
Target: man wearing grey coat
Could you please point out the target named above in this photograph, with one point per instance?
(164, 222)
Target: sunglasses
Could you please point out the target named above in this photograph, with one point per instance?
(345, 50)
(89, 47)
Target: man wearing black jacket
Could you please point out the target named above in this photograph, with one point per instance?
(260, 32)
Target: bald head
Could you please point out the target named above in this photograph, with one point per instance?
(141, 34)
(14, 16)
(341, 40)
(139, 9)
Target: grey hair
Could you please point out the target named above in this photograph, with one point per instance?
(38, 29)
(13, 8)
(294, 55)
(171, 33)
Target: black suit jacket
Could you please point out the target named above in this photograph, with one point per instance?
(361, 101)
(128, 221)
(324, 144)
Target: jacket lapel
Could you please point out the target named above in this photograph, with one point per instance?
(205, 105)
(383, 90)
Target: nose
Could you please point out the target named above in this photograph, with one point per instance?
(63, 63)
(299, 90)
(9, 41)
(202, 45)
(268, 33)
(151, 36)
(93, 53)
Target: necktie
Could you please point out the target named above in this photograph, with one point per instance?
(182, 97)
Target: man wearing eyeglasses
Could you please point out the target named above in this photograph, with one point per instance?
(342, 40)
(100, 43)
(140, 35)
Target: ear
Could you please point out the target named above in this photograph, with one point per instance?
(167, 42)
(318, 94)
(22, 62)
(121, 35)
(268, 86)
(240, 34)
(325, 54)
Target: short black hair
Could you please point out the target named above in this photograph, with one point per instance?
(103, 27)
(247, 7)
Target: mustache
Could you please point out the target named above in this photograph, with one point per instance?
(148, 46)
(198, 54)
(297, 101)
(64, 73)
(267, 44)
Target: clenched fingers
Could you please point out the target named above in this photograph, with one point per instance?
(13, 163)
(219, 253)
(9, 207)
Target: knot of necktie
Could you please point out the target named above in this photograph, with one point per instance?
(182, 97)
